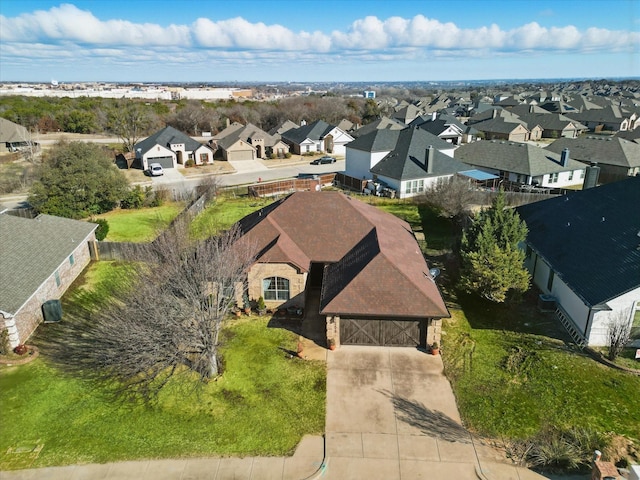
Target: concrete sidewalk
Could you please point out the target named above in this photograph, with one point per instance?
(305, 463)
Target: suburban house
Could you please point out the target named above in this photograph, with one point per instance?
(40, 258)
(407, 114)
(414, 165)
(362, 266)
(171, 149)
(583, 249)
(247, 142)
(554, 125)
(523, 163)
(367, 150)
(617, 158)
(283, 127)
(503, 125)
(612, 118)
(380, 124)
(13, 137)
(318, 136)
(447, 128)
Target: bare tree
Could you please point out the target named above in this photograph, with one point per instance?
(618, 333)
(129, 122)
(165, 319)
(453, 198)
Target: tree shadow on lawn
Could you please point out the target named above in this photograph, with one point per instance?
(432, 422)
(522, 316)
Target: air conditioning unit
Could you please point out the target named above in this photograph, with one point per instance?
(546, 303)
(52, 311)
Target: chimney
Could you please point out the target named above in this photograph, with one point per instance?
(434, 115)
(495, 113)
(564, 157)
(531, 108)
(428, 158)
(228, 122)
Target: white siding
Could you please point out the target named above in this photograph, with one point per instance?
(622, 308)
(358, 162)
(155, 152)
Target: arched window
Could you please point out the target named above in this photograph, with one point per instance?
(275, 288)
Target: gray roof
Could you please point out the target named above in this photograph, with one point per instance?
(249, 131)
(590, 238)
(314, 131)
(166, 137)
(498, 125)
(380, 124)
(550, 121)
(408, 160)
(12, 132)
(610, 114)
(513, 157)
(606, 150)
(388, 140)
(31, 250)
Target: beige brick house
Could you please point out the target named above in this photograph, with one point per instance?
(39, 259)
(363, 265)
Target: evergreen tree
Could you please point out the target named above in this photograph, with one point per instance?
(492, 262)
(77, 180)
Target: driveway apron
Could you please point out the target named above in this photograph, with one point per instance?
(391, 414)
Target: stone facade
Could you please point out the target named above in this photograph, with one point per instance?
(297, 283)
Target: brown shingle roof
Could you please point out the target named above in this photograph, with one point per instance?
(374, 264)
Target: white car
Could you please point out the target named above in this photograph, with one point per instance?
(155, 170)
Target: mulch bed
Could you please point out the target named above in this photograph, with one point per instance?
(13, 359)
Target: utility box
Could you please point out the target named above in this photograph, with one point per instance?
(604, 471)
(52, 311)
(546, 303)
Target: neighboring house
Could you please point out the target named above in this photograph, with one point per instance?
(407, 114)
(523, 163)
(617, 158)
(39, 259)
(318, 136)
(612, 118)
(380, 124)
(584, 250)
(367, 150)
(362, 266)
(247, 142)
(447, 128)
(414, 165)
(13, 137)
(283, 127)
(499, 124)
(553, 125)
(171, 149)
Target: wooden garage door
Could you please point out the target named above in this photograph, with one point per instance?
(400, 333)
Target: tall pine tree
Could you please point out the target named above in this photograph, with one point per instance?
(492, 262)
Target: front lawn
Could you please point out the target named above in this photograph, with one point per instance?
(512, 384)
(262, 405)
(140, 225)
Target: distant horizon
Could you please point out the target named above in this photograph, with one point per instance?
(317, 41)
(364, 82)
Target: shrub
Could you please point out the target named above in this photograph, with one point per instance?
(189, 163)
(287, 155)
(21, 349)
(134, 198)
(103, 228)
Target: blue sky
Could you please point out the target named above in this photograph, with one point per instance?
(309, 40)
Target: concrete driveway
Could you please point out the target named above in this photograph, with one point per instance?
(391, 414)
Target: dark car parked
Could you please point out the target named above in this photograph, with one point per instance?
(323, 160)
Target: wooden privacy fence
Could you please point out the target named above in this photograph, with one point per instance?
(279, 187)
(101, 250)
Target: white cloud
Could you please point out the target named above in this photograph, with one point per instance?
(68, 32)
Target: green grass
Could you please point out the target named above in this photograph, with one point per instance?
(140, 225)
(262, 405)
(223, 213)
(512, 384)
